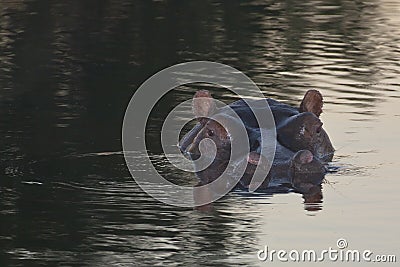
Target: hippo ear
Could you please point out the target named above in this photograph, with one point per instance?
(253, 158)
(203, 104)
(303, 157)
(312, 102)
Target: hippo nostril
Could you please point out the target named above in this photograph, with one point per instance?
(181, 149)
(187, 154)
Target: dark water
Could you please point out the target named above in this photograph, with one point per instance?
(69, 68)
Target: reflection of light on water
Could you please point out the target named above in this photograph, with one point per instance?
(390, 10)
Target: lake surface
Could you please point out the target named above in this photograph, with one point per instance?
(69, 68)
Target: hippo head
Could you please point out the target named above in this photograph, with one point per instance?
(306, 169)
(215, 133)
(203, 106)
(220, 139)
(304, 131)
(216, 138)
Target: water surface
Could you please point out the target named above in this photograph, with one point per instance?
(68, 70)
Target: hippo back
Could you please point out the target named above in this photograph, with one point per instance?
(280, 111)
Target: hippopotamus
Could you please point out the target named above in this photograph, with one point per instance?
(302, 147)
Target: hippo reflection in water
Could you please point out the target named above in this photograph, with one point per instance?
(302, 148)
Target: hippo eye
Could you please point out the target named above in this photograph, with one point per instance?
(210, 133)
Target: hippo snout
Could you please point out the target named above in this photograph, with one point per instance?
(188, 151)
(192, 152)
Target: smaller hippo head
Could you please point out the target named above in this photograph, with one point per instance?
(217, 138)
(203, 106)
(223, 133)
(216, 132)
(305, 168)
